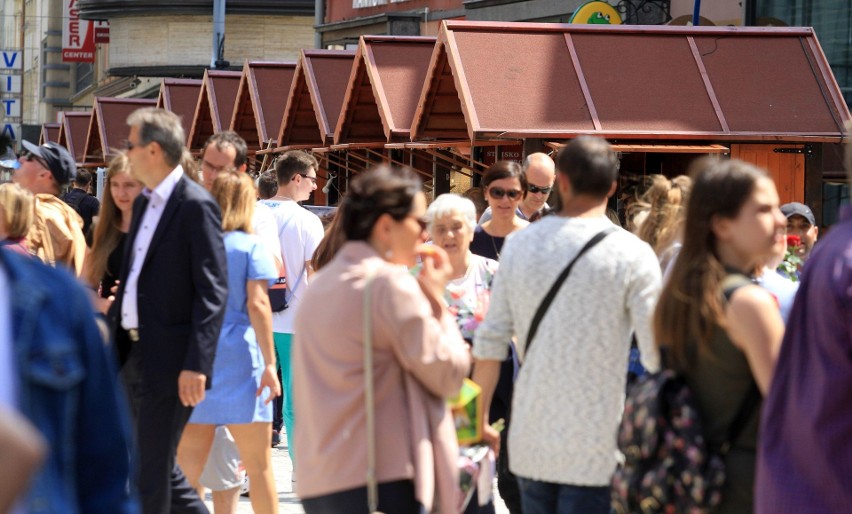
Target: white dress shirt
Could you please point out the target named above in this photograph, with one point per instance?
(157, 200)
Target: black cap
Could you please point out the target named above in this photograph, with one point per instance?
(57, 158)
(798, 209)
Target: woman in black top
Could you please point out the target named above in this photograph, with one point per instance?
(505, 185)
(103, 262)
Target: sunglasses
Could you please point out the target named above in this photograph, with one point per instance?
(498, 193)
(30, 157)
(539, 189)
(312, 179)
(129, 145)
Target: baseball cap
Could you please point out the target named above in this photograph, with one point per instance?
(800, 209)
(57, 158)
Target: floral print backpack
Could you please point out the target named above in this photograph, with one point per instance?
(668, 467)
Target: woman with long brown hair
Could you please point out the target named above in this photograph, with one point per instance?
(666, 201)
(715, 327)
(103, 262)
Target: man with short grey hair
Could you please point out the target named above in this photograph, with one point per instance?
(169, 306)
(541, 173)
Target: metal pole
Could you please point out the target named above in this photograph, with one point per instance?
(218, 32)
(696, 13)
(319, 19)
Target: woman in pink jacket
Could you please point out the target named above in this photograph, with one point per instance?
(419, 360)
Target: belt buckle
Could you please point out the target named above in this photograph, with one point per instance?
(133, 334)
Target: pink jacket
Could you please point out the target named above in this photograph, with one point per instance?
(419, 359)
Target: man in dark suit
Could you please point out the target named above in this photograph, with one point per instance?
(169, 306)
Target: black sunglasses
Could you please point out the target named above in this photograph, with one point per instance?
(498, 193)
(539, 189)
(30, 157)
(312, 179)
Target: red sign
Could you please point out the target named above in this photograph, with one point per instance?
(101, 31)
(78, 36)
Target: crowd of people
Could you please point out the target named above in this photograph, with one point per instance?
(157, 343)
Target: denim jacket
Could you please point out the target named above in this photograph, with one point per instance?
(67, 387)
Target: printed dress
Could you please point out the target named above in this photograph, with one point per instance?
(239, 363)
(468, 297)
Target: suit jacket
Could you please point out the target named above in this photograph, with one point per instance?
(182, 288)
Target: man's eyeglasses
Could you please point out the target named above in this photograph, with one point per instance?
(539, 189)
(129, 145)
(498, 193)
(30, 157)
(312, 179)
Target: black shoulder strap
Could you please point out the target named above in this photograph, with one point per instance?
(731, 283)
(548, 298)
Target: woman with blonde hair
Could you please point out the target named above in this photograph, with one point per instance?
(102, 266)
(16, 217)
(666, 200)
(244, 379)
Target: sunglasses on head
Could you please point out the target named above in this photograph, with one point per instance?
(498, 193)
(539, 189)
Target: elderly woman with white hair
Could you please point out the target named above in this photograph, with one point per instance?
(452, 219)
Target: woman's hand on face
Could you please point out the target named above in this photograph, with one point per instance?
(436, 270)
(269, 379)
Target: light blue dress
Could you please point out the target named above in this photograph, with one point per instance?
(239, 363)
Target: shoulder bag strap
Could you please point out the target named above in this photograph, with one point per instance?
(749, 404)
(548, 298)
(372, 482)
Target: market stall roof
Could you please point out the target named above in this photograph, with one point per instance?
(629, 82)
(215, 105)
(73, 129)
(180, 96)
(108, 127)
(315, 98)
(49, 132)
(383, 89)
(261, 98)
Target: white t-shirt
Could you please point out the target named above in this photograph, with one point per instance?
(299, 233)
(266, 228)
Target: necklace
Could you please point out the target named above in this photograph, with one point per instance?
(494, 245)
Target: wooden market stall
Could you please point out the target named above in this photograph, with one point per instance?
(73, 130)
(215, 106)
(663, 94)
(49, 133)
(261, 98)
(314, 104)
(108, 128)
(180, 96)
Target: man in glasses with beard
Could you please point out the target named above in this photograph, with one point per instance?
(541, 173)
(57, 232)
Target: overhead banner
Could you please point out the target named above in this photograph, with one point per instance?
(78, 36)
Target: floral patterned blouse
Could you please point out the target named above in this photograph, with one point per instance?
(468, 297)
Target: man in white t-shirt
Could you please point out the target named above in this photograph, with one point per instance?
(299, 232)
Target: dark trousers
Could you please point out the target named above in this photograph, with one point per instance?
(159, 419)
(550, 498)
(394, 498)
(278, 403)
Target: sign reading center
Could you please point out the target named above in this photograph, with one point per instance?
(78, 36)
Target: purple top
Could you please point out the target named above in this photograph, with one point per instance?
(805, 457)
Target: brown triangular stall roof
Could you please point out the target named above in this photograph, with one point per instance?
(383, 89)
(261, 99)
(108, 126)
(180, 96)
(315, 98)
(49, 133)
(73, 130)
(215, 105)
(629, 82)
